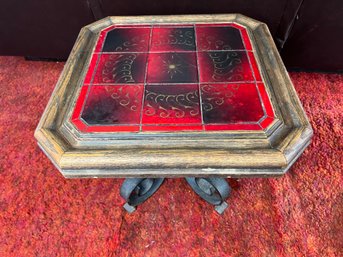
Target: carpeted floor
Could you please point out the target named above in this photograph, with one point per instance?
(43, 214)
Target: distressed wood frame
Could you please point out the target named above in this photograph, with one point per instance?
(151, 154)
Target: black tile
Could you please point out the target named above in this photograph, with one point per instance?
(127, 40)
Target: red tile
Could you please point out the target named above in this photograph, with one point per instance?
(171, 128)
(237, 126)
(107, 129)
(254, 66)
(218, 38)
(230, 103)
(266, 122)
(80, 125)
(134, 26)
(79, 103)
(265, 100)
(246, 39)
(100, 41)
(173, 25)
(237, 26)
(229, 24)
(171, 104)
(91, 69)
(123, 39)
(172, 39)
(102, 37)
(113, 105)
(224, 66)
(172, 68)
(121, 68)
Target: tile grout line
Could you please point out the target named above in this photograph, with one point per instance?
(176, 83)
(172, 124)
(145, 80)
(198, 70)
(176, 51)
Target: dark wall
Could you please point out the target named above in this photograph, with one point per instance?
(41, 28)
(252, 8)
(316, 39)
(308, 33)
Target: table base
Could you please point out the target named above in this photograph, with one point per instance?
(213, 190)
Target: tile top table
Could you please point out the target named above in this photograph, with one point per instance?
(163, 96)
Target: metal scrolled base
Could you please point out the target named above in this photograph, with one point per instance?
(137, 190)
(213, 190)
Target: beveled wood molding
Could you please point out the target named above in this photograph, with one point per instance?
(226, 153)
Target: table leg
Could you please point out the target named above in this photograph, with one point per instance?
(213, 190)
(137, 190)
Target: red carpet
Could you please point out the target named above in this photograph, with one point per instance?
(43, 214)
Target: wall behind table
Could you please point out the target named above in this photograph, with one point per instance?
(316, 39)
(308, 33)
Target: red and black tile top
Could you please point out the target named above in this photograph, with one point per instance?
(173, 78)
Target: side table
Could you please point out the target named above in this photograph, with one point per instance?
(204, 97)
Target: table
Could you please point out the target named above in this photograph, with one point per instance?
(203, 97)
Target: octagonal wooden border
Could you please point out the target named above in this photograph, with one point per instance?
(230, 153)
